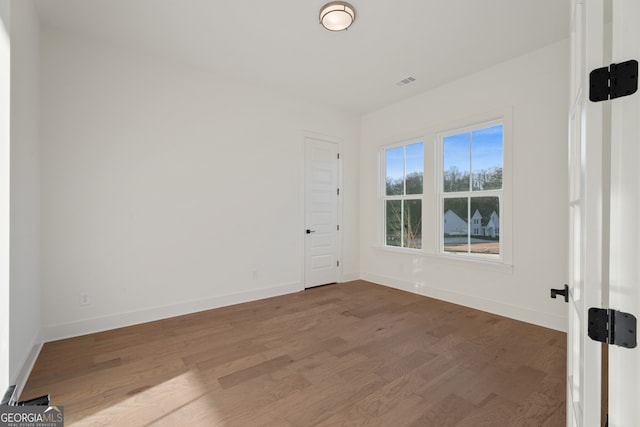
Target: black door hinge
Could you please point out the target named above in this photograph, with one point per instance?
(613, 81)
(9, 396)
(612, 327)
(9, 399)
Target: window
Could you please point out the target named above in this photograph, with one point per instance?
(448, 193)
(470, 190)
(403, 189)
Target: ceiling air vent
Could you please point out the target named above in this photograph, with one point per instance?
(406, 81)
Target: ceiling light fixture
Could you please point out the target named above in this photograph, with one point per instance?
(337, 15)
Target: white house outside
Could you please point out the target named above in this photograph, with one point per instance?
(454, 225)
(480, 226)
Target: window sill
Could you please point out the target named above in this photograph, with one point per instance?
(484, 263)
(400, 250)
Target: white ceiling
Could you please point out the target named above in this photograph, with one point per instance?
(279, 44)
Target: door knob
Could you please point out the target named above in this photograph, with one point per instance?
(310, 231)
(564, 292)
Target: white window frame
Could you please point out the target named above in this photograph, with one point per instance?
(384, 197)
(432, 208)
(503, 195)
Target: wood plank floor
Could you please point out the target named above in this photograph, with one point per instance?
(349, 354)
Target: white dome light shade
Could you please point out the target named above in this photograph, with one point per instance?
(337, 15)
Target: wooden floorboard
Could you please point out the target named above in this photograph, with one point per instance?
(352, 354)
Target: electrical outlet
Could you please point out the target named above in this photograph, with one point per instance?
(255, 274)
(84, 298)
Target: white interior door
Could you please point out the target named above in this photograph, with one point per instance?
(624, 287)
(605, 211)
(321, 212)
(586, 223)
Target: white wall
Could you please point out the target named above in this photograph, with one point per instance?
(5, 155)
(164, 187)
(25, 319)
(535, 88)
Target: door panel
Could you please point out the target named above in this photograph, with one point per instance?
(605, 207)
(586, 225)
(624, 289)
(321, 212)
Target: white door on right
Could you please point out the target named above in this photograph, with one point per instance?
(624, 271)
(604, 172)
(586, 219)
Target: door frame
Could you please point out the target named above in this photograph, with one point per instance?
(624, 278)
(5, 176)
(586, 285)
(610, 138)
(303, 136)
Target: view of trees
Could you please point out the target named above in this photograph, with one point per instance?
(484, 179)
(472, 163)
(414, 185)
(487, 179)
(404, 217)
(403, 183)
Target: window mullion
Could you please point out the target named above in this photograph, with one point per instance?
(463, 194)
(470, 161)
(469, 225)
(404, 170)
(457, 195)
(402, 223)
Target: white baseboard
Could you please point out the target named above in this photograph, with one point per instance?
(20, 380)
(349, 277)
(99, 324)
(547, 320)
